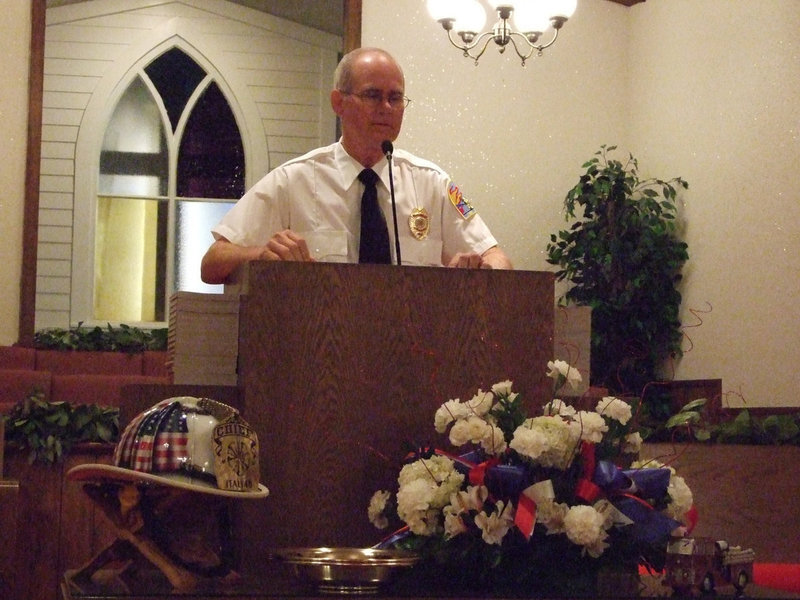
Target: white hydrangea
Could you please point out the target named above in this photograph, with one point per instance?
(425, 487)
(614, 408)
(585, 526)
(546, 440)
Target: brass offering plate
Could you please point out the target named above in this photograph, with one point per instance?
(345, 570)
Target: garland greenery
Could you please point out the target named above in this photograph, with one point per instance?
(691, 424)
(49, 430)
(122, 338)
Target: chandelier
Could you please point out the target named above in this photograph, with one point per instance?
(531, 18)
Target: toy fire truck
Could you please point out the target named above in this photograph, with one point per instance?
(703, 563)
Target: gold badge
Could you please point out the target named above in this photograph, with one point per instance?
(420, 223)
(235, 454)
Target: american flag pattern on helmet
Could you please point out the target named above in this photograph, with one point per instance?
(156, 441)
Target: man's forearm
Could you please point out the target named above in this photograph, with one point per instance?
(223, 258)
(496, 258)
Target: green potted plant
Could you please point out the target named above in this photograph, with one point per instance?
(623, 256)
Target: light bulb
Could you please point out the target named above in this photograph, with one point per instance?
(470, 16)
(531, 16)
(561, 8)
(443, 9)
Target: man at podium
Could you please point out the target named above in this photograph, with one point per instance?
(356, 200)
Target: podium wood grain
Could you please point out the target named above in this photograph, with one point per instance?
(343, 366)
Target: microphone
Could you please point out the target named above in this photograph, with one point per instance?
(388, 149)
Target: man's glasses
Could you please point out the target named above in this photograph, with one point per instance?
(374, 98)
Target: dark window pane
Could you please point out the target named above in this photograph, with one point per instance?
(175, 76)
(211, 158)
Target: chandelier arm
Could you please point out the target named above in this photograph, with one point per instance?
(466, 48)
(531, 47)
(541, 47)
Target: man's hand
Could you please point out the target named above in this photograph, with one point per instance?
(224, 257)
(286, 245)
(493, 258)
(470, 260)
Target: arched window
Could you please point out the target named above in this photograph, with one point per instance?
(171, 164)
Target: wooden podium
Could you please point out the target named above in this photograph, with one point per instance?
(342, 367)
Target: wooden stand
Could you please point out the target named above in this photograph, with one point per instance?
(342, 368)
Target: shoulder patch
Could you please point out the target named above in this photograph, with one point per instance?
(460, 203)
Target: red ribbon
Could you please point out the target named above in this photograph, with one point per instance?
(692, 517)
(525, 517)
(477, 474)
(586, 489)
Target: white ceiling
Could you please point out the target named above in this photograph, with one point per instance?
(326, 15)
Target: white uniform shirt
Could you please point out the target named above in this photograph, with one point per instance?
(318, 196)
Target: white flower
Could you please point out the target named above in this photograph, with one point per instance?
(472, 429)
(681, 498)
(495, 526)
(502, 388)
(632, 444)
(547, 441)
(494, 442)
(614, 408)
(450, 411)
(584, 526)
(470, 499)
(453, 523)
(558, 407)
(560, 371)
(551, 515)
(481, 403)
(589, 426)
(377, 504)
(425, 487)
(463, 501)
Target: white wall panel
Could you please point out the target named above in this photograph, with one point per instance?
(276, 74)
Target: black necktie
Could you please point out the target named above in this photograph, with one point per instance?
(374, 246)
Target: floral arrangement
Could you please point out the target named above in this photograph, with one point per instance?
(545, 501)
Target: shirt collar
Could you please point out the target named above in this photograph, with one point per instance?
(349, 167)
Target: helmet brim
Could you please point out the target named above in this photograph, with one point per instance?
(96, 472)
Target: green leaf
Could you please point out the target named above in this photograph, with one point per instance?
(694, 405)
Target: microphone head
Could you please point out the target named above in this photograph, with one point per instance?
(387, 147)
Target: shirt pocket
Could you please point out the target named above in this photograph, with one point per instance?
(421, 253)
(327, 246)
